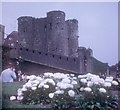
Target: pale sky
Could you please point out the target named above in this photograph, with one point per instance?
(98, 23)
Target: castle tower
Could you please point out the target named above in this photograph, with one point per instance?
(2, 29)
(26, 31)
(89, 60)
(72, 27)
(82, 58)
(85, 57)
(57, 33)
(40, 41)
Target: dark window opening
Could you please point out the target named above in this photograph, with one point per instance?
(67, 58)
(26, 49)
(74, 59)
(60, 57)
(39, 52)
(45, 27)
(24, 30)
(62, 28)
(33, 51)
(46, 54)
(53, 56)
(20, 48)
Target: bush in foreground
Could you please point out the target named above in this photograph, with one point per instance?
(63, 91)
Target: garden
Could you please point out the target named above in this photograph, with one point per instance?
(59, 91)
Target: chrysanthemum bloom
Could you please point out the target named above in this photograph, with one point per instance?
(83, 81)
(59, 92)
(51, 95)
(102, 90)
(87, 89)
(34, 88)
(46, 86)
(107, 84)
(12, 98)
(89, 83)
(19, 98)
(82, 89)
(71, 93)
(115, 83)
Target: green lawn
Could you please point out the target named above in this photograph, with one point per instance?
(9, 89)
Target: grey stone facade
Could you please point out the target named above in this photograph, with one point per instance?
(52, 42)
(51, 34)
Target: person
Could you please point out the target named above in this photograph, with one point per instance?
(8, 75)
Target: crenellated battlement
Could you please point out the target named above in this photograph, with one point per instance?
(51, 41)
(51, 34)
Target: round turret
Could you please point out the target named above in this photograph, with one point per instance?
(72, 27)
(25, 31)
(40, 41)
(56, 33)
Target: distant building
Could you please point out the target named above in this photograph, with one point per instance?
(48, 44)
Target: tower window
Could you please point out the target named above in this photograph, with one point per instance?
(45, 27)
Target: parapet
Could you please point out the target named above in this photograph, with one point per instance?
(52, 13)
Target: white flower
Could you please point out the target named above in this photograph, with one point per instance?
(83, 81)
(66, 80)
(102, 90)
(101, 81)
(71, 93)
(115, 83)
(64, 85)
(89, 75)
(87, 89)
(107, 84)
(74, 82)
(109, 79)
(72, 75)
(41, 85)
(39, 78)
(59, 92)
(32, 77)
(24, 89)
(95, 79)
(82, 76)
(59, 75)
(89, 83)
(46, 86)
(82, 89)
(51, 95)
(19, 93)
(48, 74)
(51, 81)
(12, 98)
(28, 85)
(34, 88)
(19, 98)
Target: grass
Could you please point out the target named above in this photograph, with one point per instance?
(9, 89)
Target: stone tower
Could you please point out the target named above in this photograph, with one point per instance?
(56, 33)
(85, 57)
(40, 32)
(26, 31)
(72, 28)
(2, 30)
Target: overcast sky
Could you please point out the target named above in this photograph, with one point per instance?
(98, 23)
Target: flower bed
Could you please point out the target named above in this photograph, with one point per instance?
(64, 91)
